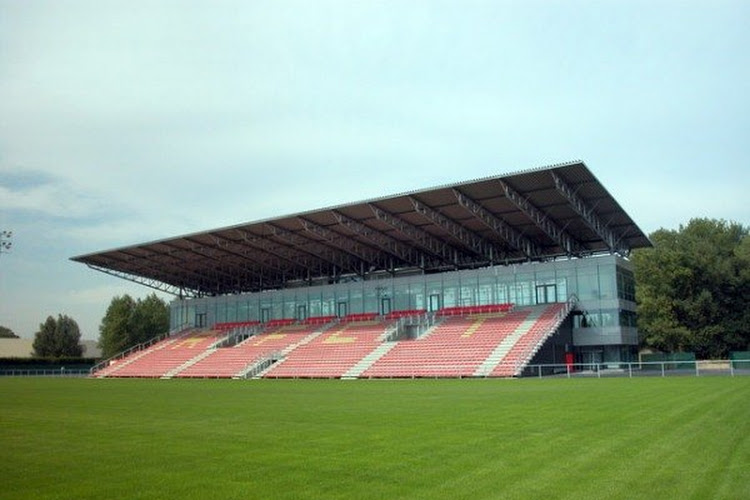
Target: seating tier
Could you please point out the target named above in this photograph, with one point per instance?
(228, 362)
(333, 353)
(455, 348)
(167, 355)
(522, 350)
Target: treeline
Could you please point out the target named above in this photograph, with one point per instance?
(693, 289)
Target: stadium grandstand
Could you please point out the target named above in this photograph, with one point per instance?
(474, 279)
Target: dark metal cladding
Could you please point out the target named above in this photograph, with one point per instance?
(540, 214)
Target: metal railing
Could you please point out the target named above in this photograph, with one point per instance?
(260, 364)
(45, 372)
(700, 368)
(138, 347)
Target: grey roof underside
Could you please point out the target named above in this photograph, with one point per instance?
(538, 214)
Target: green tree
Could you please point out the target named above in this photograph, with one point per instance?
(7, 333)
(128, 322)
(58, 338)
(693, 289)
(115, 326)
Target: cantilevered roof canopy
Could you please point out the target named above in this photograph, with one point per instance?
(534, 215)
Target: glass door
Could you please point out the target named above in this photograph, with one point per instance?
(342, 309)
(434, 302)
(385, 305)
(200, 320)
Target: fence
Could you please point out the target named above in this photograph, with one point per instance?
(666, 368)
(36, 372)
(729, 368)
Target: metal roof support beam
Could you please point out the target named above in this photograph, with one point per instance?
(561, 237)
(282, 251)
(199, 250)
(151, 283)
(499, 226)
(391, 245)
(220, 280)
(157, 263)
(225, 245)
(333, 258)
(353, 247)
(244, 265)
(474, 242)
(588, 215)
(434, 246)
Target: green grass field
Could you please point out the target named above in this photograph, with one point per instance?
(474, 439)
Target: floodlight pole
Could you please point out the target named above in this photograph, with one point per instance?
(5, 243)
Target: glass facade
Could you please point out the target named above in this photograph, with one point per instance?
(604, 286)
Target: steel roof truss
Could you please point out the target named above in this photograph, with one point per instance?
(424, 239)
(283, 252)
(331, 257)
(155, 263)
(391, 245)
(226, 245)
(218, 276)
(478, 245)
(349, 245)
(149, 282)
(542, 220)
(588, 214)
(499, 226)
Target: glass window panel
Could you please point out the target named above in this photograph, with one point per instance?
(290, 308)
(502, 293)
(277, 309)
(221, 312)
(417, 296)
(588, 284)
(450, 295)
(328, 303)
(372, 298)
(243, 311)
(316, 308)
(232, 311)
(355, 300)
(402, 299)
(607, 282)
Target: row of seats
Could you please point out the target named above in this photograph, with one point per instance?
(359, 317)
(231, 325)
(405, 313)
(280, 322)
(320, 320)
(469, 310)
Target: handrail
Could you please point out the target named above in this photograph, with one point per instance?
(528, 353)
(259, 364)
(136, 348)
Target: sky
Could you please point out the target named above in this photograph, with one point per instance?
(123, 122)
